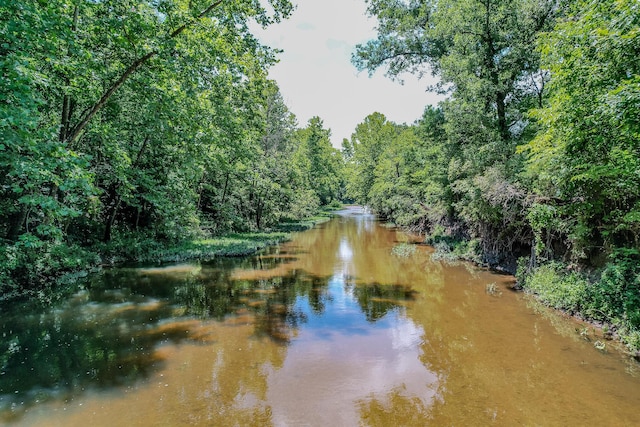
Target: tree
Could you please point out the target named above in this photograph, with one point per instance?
(318, 161)
(484, 53)
(480, 49)
(584, 162)
(368, 142)
(115, 115)
(77, 82)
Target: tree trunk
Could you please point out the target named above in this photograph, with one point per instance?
(224, 191)
(258, 213)
(117, 199)
(502, 116)
(111, 219)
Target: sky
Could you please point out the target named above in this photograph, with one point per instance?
(316, 77)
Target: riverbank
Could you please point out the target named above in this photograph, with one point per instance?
(392, 318)
(607, 298)
(47, 271)
(228, 244)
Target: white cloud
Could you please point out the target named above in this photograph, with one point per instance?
(316, 76)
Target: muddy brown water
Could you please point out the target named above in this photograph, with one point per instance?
(351, 323)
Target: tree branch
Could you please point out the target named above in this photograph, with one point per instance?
(73, 134)
(202, 14)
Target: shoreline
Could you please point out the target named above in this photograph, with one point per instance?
(135, 249)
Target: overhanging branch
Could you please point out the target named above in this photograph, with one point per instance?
(91, 112)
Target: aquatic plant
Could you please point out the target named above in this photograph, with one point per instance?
(403, 250)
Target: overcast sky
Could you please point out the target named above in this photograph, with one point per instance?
(316, 77)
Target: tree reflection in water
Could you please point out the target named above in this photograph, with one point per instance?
(108, 335)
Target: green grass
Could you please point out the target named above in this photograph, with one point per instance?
(234, 244)
(558, 288)
(138, 248)
(306, 223)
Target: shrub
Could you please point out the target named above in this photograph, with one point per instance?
(32, 264)
(612, 296)
(616, 295)
(403, 250)
(557, 287)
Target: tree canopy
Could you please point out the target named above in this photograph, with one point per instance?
(533, 154)
(153, 118)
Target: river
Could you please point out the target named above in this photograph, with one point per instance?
(350, 323)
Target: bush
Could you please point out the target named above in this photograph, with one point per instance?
(130, 247)
(32, 264)
(403, 250)
(611, 297)
(616, 295)
(558, 288)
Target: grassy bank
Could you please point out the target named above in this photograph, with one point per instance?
(608, 297)
(46, 271)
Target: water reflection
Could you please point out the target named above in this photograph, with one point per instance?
(114, 334)
(341, 353)
(329, 329)
(79, 345)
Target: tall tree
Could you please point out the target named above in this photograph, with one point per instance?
(483, 51)
(368, 142)
(480, 49)
(584, 161)
(80, 72)
(319, 162)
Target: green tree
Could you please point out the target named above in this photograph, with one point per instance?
(90, 70)
(114, 114)
(319, 162)
(483, 51)
(368, 142)
(584, 162)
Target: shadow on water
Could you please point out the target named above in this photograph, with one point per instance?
(376, 300)
(79, 345)
(107, 336)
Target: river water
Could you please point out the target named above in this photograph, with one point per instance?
(351, 323)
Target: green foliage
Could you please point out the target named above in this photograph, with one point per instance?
(612, 296)
(452, 249)
(367, 144)
(320, 164)
(558, 288)
(462, 169)
(536, 147)
(586, 155)
(144, 122)
(618, 292)
(32, 266)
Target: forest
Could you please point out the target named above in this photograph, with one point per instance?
(129, 122)
(532, 164)
(126, 122)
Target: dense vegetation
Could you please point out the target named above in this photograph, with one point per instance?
(134, 124)
(534, 154)
(131, 125)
